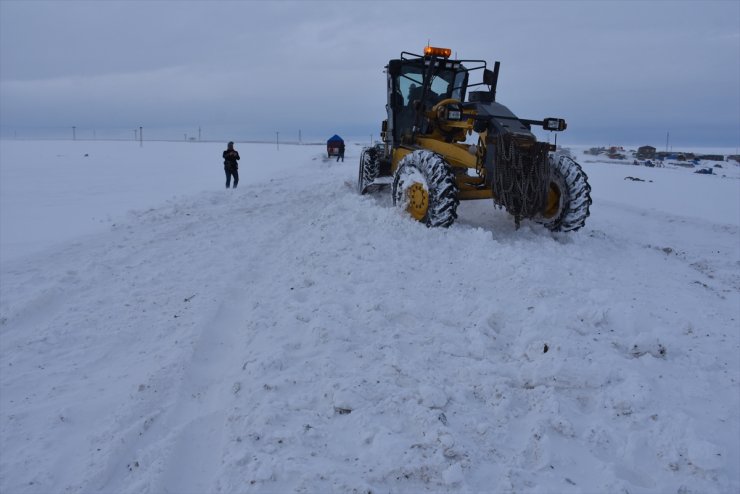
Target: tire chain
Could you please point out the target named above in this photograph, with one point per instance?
(520, 179)
(441, 185)
(578, 193)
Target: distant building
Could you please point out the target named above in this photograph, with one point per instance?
(711, 157)
(616, 153)
(646, 153)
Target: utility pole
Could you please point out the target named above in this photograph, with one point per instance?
(74, 135)
(277, 140)
(299, 137)
(666, 141)
(199, 132)
(141, 136)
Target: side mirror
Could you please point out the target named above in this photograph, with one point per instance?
(554, 124)
(489, 78)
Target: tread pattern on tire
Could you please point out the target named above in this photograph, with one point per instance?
(369, 168)
(576, 191)
(440, 183)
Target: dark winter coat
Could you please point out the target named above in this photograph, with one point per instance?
(231, 156)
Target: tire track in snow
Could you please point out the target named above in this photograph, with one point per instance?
(198, 416)
(197, 412)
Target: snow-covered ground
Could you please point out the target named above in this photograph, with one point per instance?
(161, 334)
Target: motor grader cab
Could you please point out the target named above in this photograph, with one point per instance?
(433, 107)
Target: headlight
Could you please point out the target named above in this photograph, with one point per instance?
(554, 124)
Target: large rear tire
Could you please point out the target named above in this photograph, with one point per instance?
(369, 169)
(425, 187)
(569, 196)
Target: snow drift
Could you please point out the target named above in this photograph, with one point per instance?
(161, 334)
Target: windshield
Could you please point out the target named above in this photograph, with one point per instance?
(446, 80)
(445, 83)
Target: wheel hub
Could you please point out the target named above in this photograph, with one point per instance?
(418, 198)
(553, 201)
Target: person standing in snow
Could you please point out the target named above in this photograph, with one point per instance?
(341, 152)
(231, 167)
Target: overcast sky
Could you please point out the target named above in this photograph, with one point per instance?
(618, 72)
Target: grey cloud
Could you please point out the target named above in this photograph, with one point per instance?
(319, 64)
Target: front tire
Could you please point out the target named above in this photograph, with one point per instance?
(425, 187)
(569, 196)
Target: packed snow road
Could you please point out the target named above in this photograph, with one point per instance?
(292, 336)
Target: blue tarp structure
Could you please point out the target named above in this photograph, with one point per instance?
(332, 145)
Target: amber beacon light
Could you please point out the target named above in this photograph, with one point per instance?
(433, 51)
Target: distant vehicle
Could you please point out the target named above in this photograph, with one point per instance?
(648, 163)
(333, 145)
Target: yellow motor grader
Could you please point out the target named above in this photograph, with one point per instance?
(430, 167)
